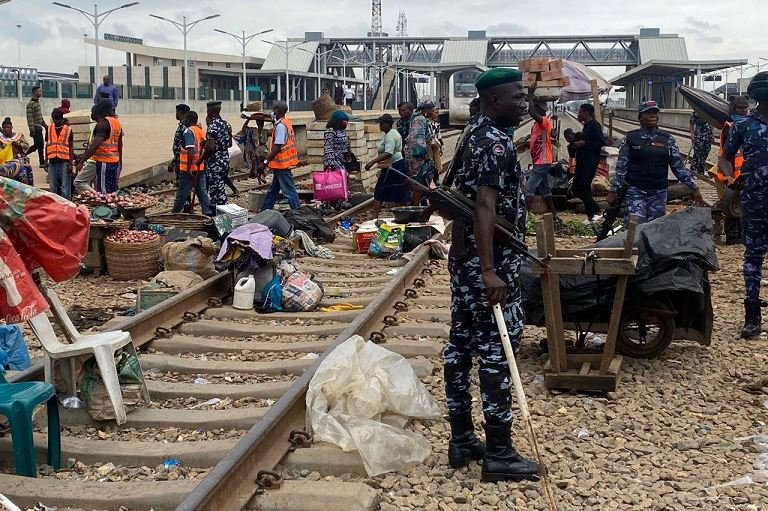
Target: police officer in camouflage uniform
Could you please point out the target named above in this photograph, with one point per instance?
(484, 273)
(644, 159)
(750, 135)
(701, 138)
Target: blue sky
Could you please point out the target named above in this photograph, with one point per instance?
(51, 39)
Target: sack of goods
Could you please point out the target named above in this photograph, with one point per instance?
(388, 241)
(94, 392)
(195, 255)
(300, 292)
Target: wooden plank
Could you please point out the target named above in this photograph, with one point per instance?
(596, 102)
(615, 367)
(572, 381)
(578, 266)
(603, 252)
(614, 324)
(585, 368)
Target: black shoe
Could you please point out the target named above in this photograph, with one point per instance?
(502, 462)
(464, 446)
(752, 318)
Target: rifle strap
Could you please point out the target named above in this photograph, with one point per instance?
(458, 241)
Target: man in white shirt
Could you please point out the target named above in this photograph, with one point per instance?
(349, 95)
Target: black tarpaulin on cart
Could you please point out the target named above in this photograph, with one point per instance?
(675, 254)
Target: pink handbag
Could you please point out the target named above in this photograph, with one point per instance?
(330, 185)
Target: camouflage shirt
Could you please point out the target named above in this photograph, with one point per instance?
(750, 134)
(490, 159)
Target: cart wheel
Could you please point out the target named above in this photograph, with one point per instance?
(646, 331)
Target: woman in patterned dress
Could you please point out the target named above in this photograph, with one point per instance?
(19, 167)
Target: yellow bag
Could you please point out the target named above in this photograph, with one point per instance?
(6, 154)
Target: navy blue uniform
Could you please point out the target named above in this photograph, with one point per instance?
(217, 164)
(644, 157)
(490, 159)
(750, 134)
(702, 143)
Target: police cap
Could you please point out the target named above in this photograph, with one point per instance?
(213, 103)
(497, 76)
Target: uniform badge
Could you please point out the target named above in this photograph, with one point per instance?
(498, 149)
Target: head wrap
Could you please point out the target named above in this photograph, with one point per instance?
(339, 115)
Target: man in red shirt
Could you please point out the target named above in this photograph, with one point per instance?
(541, 156)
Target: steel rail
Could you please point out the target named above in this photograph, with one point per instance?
(231, 485)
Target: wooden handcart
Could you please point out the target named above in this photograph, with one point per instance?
(577, 371)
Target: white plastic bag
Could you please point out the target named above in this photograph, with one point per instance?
(357, 383)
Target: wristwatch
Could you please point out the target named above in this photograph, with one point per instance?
(266, 162)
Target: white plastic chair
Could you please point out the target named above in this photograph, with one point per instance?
(102, 345)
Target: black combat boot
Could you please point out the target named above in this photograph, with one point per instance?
(502, 462)
(464, 446)
(752, 318)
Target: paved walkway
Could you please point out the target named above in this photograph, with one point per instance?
(148, 138)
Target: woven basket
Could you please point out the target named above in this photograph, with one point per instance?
(323, 107)
(181, 221)
(254, 106)
(537, 205)
(133, 261)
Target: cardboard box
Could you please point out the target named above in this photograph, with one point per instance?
(530, 79)
(237, 214)
(363, 237)
(534, 65)
(556, 64)
(551, 75)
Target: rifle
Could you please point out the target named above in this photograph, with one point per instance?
(612, 212)
(450, 200)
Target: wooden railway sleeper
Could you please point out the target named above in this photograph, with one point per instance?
(268, 480)
(300, 439)
(401, 307)
(377, 337)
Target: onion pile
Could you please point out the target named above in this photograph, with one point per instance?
(135, 201)
(127, 237)
(94, 199)
(128, 201)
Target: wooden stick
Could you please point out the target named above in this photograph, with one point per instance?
(523, 404)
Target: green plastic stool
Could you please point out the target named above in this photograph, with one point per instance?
(17, 402)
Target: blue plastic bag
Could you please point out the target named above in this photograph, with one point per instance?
(14, 354)
(273, 295)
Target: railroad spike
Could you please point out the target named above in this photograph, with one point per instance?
(377, 338)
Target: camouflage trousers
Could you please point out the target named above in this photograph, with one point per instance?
(474, 332)
(754, 223)
(646, 204)
(701, 148)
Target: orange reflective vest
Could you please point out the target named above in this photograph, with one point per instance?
(197, 131)
(58, 144)
(737, 162)
(107, 151)
(288, 157)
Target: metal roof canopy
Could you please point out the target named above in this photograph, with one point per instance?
(281, 74)
(173, 53)
(300, 56)
(671, 68)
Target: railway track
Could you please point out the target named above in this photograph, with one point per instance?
(228, 391)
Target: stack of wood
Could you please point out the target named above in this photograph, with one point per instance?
(80, 122)
(546, 76)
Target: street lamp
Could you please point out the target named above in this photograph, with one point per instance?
(96, 20)
(185, 28)
(18, 43)
(243, 40)
(287, 50)
(317, 56)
